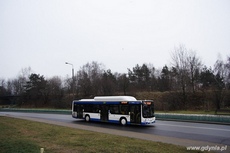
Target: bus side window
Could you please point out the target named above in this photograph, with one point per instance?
(78, 108)
(96, 108)
(88, 108)
(125, 109)
(114, 109)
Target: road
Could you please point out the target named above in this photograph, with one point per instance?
(179, 133)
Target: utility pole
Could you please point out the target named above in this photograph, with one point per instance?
(73, 84)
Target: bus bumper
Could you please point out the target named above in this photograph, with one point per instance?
(148, 121)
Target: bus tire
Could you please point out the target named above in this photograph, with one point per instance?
(87, 118)
(123, 121)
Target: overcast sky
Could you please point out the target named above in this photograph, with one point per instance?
(44, 34)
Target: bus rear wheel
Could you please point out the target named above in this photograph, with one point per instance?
(123, 121)
(87, 118)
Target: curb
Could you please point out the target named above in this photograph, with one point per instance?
(217, 119)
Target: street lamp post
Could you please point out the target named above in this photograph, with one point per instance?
(72, 76)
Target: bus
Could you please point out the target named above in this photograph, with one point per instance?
(115, 109)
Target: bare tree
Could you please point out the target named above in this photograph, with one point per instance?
(25, 72)
(20, 82)
(68, 85)
(227, 73)
(222, 73)
(3, 89)
(89, 77)
(194, 64)
(181, 65)
(219, 66)
(123, 82)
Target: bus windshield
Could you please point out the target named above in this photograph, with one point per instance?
(148, 109)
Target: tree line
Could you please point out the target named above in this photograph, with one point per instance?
(184, 84)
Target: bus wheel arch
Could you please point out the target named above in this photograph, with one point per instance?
(123, 121)
(87, 118)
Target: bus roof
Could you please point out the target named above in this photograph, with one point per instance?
(111, 98)
(86, 100)
(115, 98)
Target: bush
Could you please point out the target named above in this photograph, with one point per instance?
(169, 101)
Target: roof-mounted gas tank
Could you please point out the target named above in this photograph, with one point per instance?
(115, 98)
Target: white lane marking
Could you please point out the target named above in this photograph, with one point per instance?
(206, 128)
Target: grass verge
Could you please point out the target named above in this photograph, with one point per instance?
(17, 135)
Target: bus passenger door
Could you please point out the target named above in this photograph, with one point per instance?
(104, 113)
(135, 114)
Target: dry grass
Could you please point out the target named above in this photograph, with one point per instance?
(21, 136)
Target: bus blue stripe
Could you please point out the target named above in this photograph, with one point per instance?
(110, 121)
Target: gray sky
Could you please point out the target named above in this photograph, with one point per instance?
(44, 34)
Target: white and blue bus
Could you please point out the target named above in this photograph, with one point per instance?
(115, 109)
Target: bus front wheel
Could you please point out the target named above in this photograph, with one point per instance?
(87, 118)
(123, 121)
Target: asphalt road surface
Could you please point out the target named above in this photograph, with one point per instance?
(179, 133)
